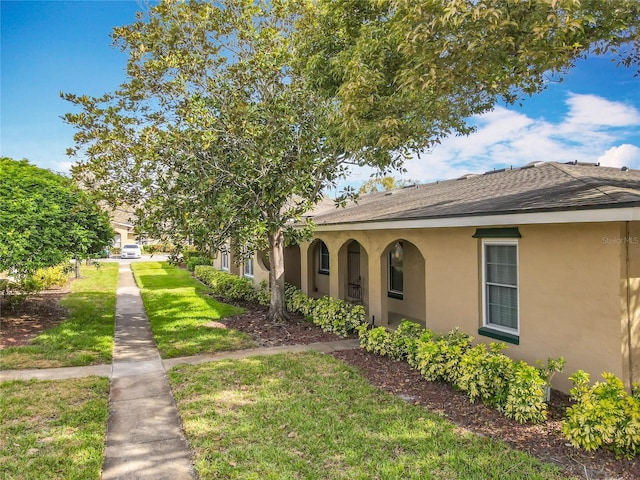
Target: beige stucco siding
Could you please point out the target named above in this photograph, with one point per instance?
(569, 297)
(572, 281)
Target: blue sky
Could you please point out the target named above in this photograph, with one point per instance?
(53, 46)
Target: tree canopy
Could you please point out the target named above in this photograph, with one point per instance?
(407, 73)
(215, 134)
(45, 219)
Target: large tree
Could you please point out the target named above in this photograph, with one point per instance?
(407, 73)
(45, 219)
(214, 135)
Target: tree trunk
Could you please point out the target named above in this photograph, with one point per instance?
(277, 306)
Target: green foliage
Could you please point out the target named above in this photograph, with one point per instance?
(399, 344)
(263, 295)
(193, 260)
(486, 374)
(525, 401)
(225, 285)
(407, 74)
(604, 415)
(337, 316)
(439, 360)
(46, 219)
(297, 301)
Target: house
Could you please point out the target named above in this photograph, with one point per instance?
(122, 224)
(545, 257)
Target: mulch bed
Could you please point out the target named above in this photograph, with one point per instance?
(542, 441)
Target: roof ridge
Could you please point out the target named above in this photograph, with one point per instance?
(587, 180)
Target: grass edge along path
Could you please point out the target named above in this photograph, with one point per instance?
(179, 310)
(53, 429)
(312, 416)
(85, 337)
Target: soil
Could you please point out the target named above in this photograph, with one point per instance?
(544, 441)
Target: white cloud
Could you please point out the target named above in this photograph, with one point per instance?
(625, 155)
(600, 112)
(593, 129)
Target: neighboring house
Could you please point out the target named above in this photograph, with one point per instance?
(122, 224)
(545, 258)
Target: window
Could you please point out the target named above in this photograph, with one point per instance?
(248, 266)
(225, 259)
(323, 258)
(396, 280)
(500, 295)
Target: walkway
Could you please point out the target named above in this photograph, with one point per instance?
(144, 434)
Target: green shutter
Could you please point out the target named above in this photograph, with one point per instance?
(506, 232)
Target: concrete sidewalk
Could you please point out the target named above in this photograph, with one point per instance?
(144, 433)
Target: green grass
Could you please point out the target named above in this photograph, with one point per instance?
(309, 416)
(85, 337)
(53, 429)
(178, 309)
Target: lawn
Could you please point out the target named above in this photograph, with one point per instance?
(310, 416)
(179, 310)
(85, 337)
(53, 429)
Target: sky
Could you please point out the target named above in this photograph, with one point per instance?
(48, 47)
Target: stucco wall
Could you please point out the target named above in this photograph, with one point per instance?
(572, 289)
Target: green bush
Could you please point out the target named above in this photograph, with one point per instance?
(399, 344)
(604, 415)
(263, 295)
(485, 374)
(225, 285)
(337, 316)
(375, 340)
(438, 360)
(194, 260)
(525, 400)
(297, 301)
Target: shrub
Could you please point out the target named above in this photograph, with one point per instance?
(225, 285)
(485, 374)
(375, 340)
(525, 401)
(604, 415)
(263, 295)
(439, 359)
(297, 301)
(337, 316)
(192, 261)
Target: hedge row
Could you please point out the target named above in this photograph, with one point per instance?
(330, 314)
(603, 415)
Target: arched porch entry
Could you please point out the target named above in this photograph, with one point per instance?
(402, 273)
(353, 262)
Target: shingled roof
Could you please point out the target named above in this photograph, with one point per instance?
(537, 187)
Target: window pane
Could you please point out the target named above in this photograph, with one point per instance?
(324, 257)
(502, 306)
(501, 264)
(396, 280)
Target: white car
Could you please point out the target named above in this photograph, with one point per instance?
(131, 251)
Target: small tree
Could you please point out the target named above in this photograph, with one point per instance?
(215, 134)
(45, 219)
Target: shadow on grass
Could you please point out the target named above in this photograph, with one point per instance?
(179, 310)
(84, 338)
(310, 416)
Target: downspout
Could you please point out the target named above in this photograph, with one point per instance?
(627, 240)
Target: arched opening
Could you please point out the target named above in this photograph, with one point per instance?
(354, 272)
(403, 283)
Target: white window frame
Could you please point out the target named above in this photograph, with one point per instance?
(247, 266)
(485, 315)
(323, 271)
(224, 259)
